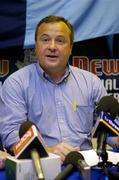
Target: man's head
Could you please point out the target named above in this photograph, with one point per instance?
(54, 40)
(53, 19)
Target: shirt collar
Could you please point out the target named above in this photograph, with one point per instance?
(45, 76)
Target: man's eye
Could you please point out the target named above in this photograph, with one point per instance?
(45, 39)
(60, 41)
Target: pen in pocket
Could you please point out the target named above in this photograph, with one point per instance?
(75, 106)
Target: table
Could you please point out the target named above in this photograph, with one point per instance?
(97, 173)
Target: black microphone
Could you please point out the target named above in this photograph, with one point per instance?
(29, 138)
(73, 161)
(108, 104)
(108, 109)
(34, 154)
(31, 145)
(24, 127)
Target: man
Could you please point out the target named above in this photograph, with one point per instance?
(58, 98)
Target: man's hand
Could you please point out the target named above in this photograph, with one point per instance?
(2, 160)
(62, 149)
(3, 157)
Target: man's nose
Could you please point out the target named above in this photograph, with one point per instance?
(52, 44)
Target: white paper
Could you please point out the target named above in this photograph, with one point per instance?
(92, 158)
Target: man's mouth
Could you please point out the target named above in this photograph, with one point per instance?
(53, 57)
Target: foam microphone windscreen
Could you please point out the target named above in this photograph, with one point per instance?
(108, 104)
(24, 127)
(77, 160)
(72, 158)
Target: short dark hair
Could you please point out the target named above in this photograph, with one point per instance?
(50, 19)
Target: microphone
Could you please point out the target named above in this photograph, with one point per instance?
(29, 138)
(107, 109)
(73, 161)
(24, 127)
(109, 105)
(31, 145)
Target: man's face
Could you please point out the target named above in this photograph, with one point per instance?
(53, 46)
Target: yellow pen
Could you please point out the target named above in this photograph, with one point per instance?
(75, 106)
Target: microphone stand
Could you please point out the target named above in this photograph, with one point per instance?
(101, 149)
(104, 164)
(104, 157)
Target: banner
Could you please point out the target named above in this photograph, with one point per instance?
(90, 18)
